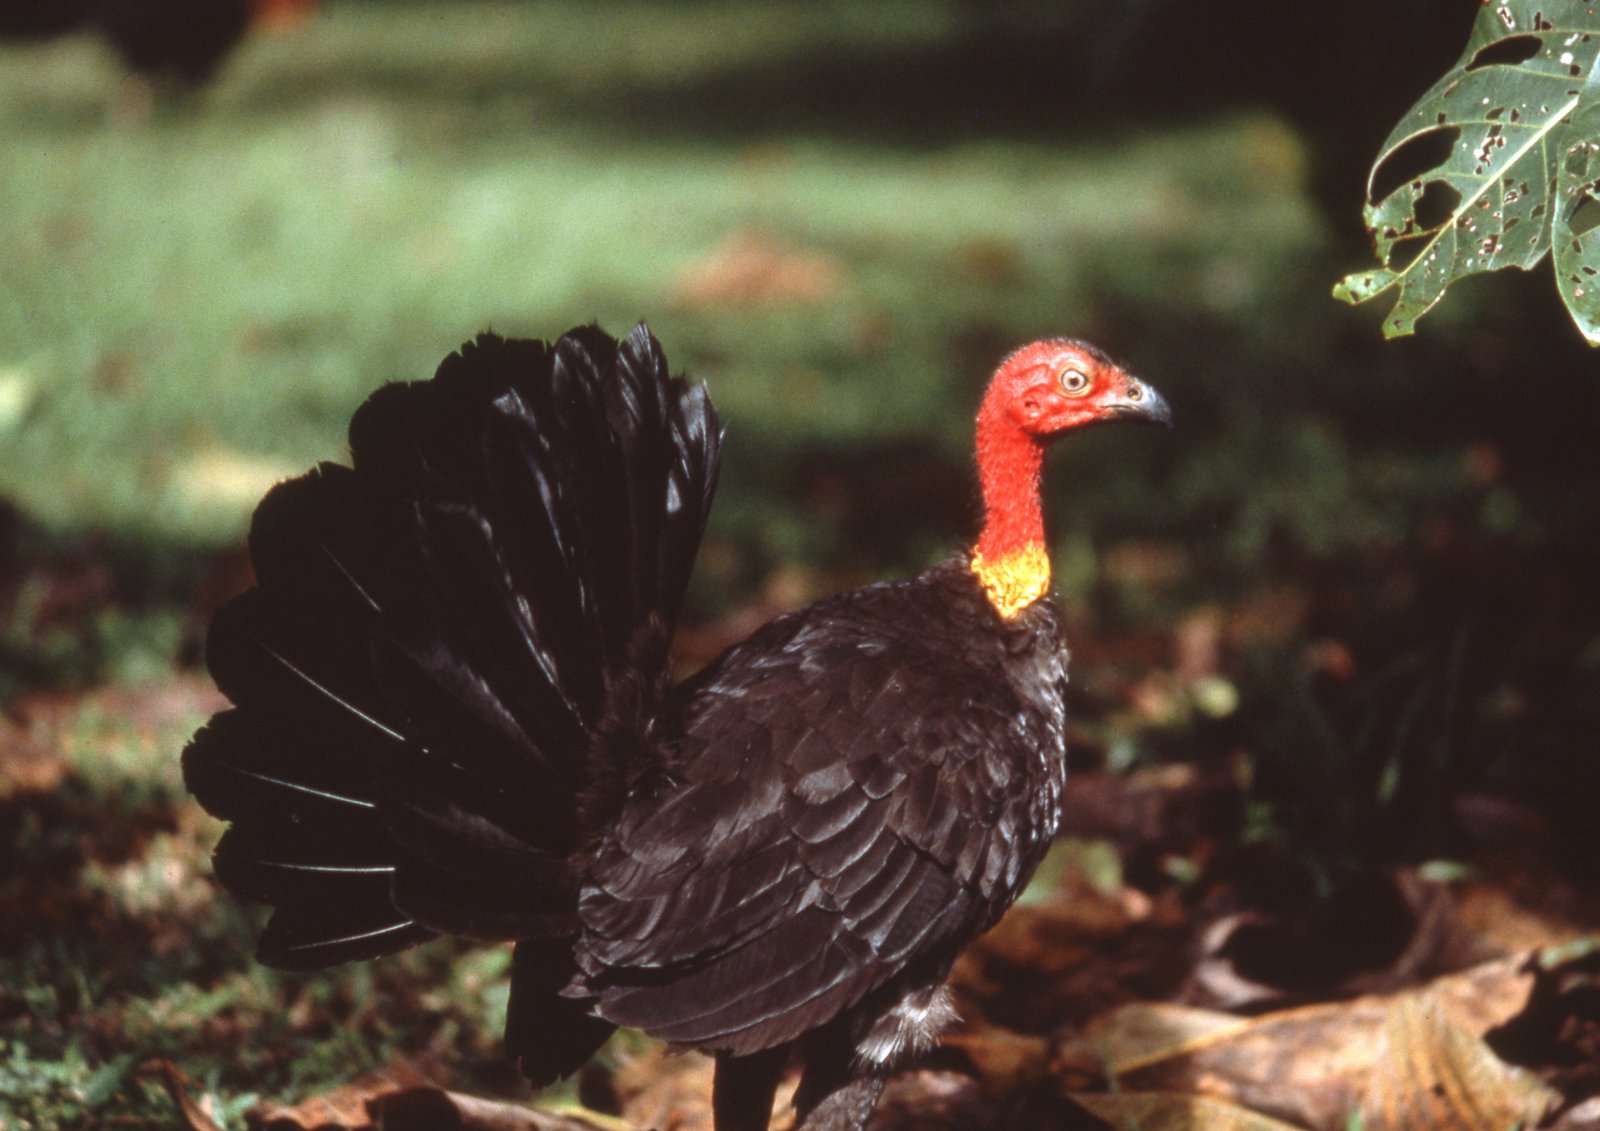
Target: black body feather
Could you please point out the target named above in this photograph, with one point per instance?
(453, 714)
(857, 791)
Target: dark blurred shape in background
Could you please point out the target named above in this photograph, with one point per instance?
(174, 44)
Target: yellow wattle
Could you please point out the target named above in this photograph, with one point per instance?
(1014, 580)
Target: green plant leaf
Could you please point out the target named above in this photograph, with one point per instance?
(1519, 116)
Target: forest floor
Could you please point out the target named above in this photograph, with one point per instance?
(1329, 856)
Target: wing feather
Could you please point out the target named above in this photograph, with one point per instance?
(831, 823)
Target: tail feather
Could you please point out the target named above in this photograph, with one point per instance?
(260, 862)
(548, 1035)
(297, 645)
(254, 766)
(691, 480)
(634, 411)
(597, 526)
(568, 655)
(435, 642)
(329, 932)
(486, 563)
(473, 908)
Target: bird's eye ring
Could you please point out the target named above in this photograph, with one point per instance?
(1073, 382)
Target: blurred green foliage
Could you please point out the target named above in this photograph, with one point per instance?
(195, 302)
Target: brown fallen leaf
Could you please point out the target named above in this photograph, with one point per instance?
(343, 1107)
(1378, 931)
(926, 1100)
(1580, 1117)
(665, 1091)
(1406, 1060)
(1007, 1063)
(1072, 957)
(1432, 1073)
(1558, 1034)
(1166, 1111)
(751, 268)
(1154, 813)
(27, 766)
(1138, 1036)
(431, 1109)
(1500, 917)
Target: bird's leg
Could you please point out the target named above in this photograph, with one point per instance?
(836, 1093)
(844, 1108)
(741, 1093)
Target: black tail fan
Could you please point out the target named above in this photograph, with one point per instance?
(437, 637)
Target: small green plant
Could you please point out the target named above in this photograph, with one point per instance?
(39, 1095)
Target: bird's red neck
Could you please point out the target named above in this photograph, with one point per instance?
(1009, 558)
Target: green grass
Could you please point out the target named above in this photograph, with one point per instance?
(118, 951)
(193, 304)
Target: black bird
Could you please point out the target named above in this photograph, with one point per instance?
(453, 714)
(179, 44)
(182, 43)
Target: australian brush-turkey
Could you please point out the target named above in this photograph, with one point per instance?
(453, 714)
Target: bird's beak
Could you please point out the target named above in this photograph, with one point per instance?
(1139, 401)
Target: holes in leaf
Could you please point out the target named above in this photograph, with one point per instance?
(1507, 52)
(1436, 205)
(1419, 155)
(1434, 209)
(1585, 215)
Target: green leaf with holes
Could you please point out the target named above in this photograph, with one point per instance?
(1512, 132)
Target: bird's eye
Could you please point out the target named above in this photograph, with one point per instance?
(1074, 382)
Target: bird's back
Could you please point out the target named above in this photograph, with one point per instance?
(851, 795)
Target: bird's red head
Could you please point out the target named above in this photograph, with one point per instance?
(1058, 384)
(1040, 392)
